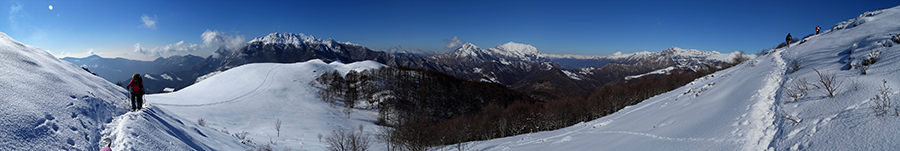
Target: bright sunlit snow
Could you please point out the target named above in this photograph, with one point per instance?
(745, 107)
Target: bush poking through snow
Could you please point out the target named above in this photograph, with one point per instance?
(201, 122)
(278, 127)
(347, 140)
(797, 89)
(896, 38)
(828, 82)
(862, 68)
(795, 66)
(739, 58)
(871, 58)
(788, 117)
(882, 103)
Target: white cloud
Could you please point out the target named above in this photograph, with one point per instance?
(92, 52)
(454, 43)
(222, 40)
(14, 9)
(15, 14)
(149, 22)
(178, 47)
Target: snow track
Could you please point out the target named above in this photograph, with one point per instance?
(762, 113)
(266, 82)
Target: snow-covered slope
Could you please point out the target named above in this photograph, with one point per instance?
(248, 98)
(49, 104)
(746, 108)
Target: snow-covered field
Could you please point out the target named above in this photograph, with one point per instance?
(745, 107)
(249, 98)
(48, 104)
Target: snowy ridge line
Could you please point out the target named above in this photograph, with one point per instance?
(254, 91)
(762, 113)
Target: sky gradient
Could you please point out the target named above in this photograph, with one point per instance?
(145, 30)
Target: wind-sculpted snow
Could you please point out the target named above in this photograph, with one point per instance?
(49, 104)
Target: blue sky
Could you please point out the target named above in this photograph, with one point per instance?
(149, 29)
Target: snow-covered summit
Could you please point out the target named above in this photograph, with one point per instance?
(293, 39)
(508, 51)
(467, 50)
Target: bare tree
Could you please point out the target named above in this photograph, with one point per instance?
(883, 104)
(347, 140)
(278, 126)
(828, 82)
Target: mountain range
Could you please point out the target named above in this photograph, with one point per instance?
(519, 66)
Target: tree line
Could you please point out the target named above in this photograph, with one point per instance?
(429, 108)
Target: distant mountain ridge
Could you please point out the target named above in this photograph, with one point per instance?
(520, 66)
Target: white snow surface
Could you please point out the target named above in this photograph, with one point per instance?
(248, 98)
(745, 108)
(166, 76)
(149, 77)
(49, 104)
(660, 71)
(571, 75)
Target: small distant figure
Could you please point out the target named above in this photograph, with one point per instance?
(817, 30)
(137, 92)
(788, 39)
(107, 145)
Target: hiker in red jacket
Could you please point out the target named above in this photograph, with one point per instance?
(137, 92)
(817, 30)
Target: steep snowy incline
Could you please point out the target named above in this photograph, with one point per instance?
(758, 105)
(49, 104)
(248, 98)
(847, 121)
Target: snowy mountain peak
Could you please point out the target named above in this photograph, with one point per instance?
(288, 38)
(516, 48)
(467, 49)
(510, 50)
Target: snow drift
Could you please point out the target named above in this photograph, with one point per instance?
(49, 104)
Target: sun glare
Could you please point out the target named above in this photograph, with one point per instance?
(51, 7)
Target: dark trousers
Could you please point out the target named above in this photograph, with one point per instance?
(137, 101)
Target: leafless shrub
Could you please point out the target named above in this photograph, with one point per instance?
(896, 38)
(882, 103)
(828, 82)
(266, 147)
(862, 68)
(739, 58)
(243, 137)
(386, 135)
(347, 140)
(788, 117)
(871, 58)
(278, 126)
(795, 66)
(201, 122)
(797, 89)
